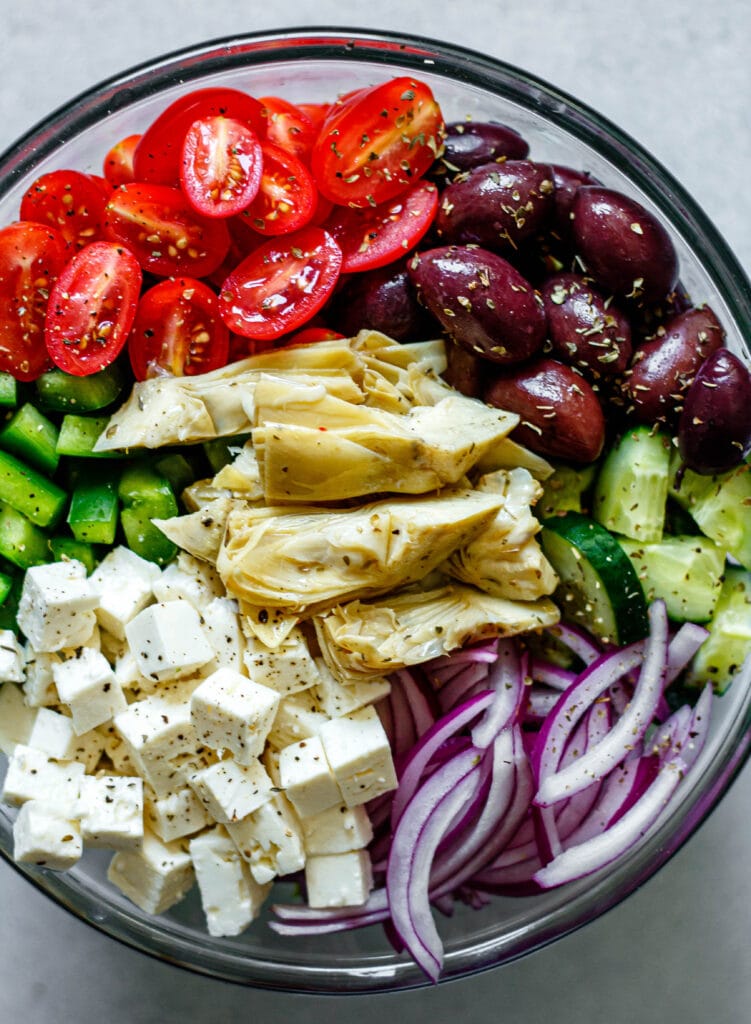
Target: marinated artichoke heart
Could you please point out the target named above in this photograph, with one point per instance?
(242, 476)
(365, 639)
(307, 561)
(312, 446)
(200, 533)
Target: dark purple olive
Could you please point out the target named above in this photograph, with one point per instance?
(664, 367)
(714, 432)
(496, 205)
(560, 414)
(464, 370)
(482, 302)
(381, 300)
(623, 246)
(567, 181)
(584, 328)
(470, 144)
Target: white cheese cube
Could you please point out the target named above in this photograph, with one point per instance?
(298, 717)
(88, 750)
(57, 605)
(88, 686)
(337, 830)
(230, 896)
(39, 685)
(111, 646)
(338, 879)
(231, 712)
(155, 876)
(11, 658)
(287, 668)
(270, 761)
(337, 699)
(124, 582)
(46, 838)
(222, 626)
(110, 809)
(157, 732)
(230, 791)
(93, 640)
(53, 733)
(128, 675)
(306, 777)
(189, 579)
(16, 718)
(32, 775)
(176, 815)
(270, 840)
(116, 749)
(168, 640)
(358, 751)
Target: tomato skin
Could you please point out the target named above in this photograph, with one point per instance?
(71, 202)
(157, 155)
(316, 112)
(311, 335)
(377, 235)
(91, 309)
(178, 331)
(377, 142)
(289, 127)
(281, 285)
(118, 163)
(31, 257)
(164, 232)
(287, 198)
(221, 166)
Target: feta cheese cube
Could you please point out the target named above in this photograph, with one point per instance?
(231, 712)
(287, 668)
(176, 815)
(88, 686)
(306, 777)
(128, 676)
(39, 685)
(33, 775)
(298, 717)
(45, 837)
(53, 733)
(230, 791)
(337, 699)
(270, 840)
(88, 750)
(337, 830)
(16, 718)
(155, 877)
(124, 582)
(188, 579)
(168, 640)
(116, 749)
(358, 751)
(110, 809)
(11, 658)
(222, 626)
(230, 896)
(270, 761)
(57, 605)
(157, 732)
(338, 879)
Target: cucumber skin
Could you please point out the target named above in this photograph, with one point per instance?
(631, 489)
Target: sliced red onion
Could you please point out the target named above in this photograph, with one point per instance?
(578, 641)
(539, 702)
(423, 715)
(463, 683)
(506, 679)
(683, 647)
(404, 725)
(555, 676)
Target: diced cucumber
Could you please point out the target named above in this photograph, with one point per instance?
(686, 572)
(8, 390)
(178, 470)
(6, 584)
(9, 607)
(632, 485)
(69, 547)
(722, 654)
(32, 437)
(63, 392)
(598, 588)
(223, 450)
(79, 434)
(720, 505)
(30, 493)
(146, 495)
(563, 491)
(93, 513)
(21, 542)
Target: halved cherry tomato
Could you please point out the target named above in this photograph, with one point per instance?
(377, 143)
(178, 331)
(221, 166)
(69, 201)
(317, 112)
(377, 235)
(281, 285)
(241, 348)
(289, 127)
(311, 335)
(91, 308)
(157, 156)
(118, 163)
(164, 232)
(286, 200)
(31, 257)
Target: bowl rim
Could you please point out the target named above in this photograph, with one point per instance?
(469, 67)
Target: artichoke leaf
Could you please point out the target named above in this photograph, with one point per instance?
(200, 533)
(522, 574)
(370, 639)
(271, 626)
(242, 476)
(307, 561)
(508, 454)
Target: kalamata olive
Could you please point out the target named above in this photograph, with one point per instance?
(584, 328)
(464, 370)
(714, 432)
(381, 300)
(482, 302)
(567, 180)
(470, 144)
(664, 367)
(496, 205)
(623, 246)
(560, 413)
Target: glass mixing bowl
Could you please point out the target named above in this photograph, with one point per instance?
(317, 64)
